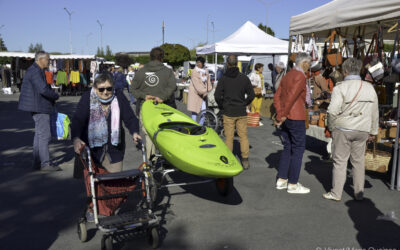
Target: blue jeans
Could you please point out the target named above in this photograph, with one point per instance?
(293, 135)
(194, 115)
(41, 140)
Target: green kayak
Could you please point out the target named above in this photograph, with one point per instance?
(185, 144)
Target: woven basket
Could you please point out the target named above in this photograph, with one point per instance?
(377, 160)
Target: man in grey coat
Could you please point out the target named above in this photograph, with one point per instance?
(38, 98)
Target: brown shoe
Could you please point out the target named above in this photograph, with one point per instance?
(245, 163)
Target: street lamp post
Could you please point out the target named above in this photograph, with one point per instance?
(70, 29)
(213, 30)
(101, 33)
(267, 5)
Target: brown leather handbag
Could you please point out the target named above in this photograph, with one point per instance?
(334, 56)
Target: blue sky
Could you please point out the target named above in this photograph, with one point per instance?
(136, 25)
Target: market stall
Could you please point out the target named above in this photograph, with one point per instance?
(359, 28)
(69, 73)
(251, 40)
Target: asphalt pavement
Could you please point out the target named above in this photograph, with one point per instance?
(40, 210)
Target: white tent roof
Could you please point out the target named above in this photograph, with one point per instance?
(248, 39)
(350, 14)
(32, 55)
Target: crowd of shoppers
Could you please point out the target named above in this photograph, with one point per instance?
(353, 115)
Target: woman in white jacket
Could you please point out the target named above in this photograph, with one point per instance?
(257, 80)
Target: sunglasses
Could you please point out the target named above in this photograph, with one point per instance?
(109, 89)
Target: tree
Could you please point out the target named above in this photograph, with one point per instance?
(123, 60)
(35, 48)
(2, 45)
(3, 60)
(142, 59)
(108, 56)
(266, 29)
(175, 54)
(100, 52)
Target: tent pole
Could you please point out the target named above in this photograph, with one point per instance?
(396, 154)
(215, 62)
(290, 52)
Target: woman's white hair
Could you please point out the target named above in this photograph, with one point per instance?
(301, 57)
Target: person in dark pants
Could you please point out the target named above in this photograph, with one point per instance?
(120, 80)
(38, 98)
(233, 93)
(290, 102)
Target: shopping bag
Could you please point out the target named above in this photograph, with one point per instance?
(59, 125)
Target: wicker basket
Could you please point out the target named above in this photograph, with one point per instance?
(377, 160)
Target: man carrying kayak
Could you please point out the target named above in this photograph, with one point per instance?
(153, 82)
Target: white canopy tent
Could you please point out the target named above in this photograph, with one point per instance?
(247, 40)
(348, 15)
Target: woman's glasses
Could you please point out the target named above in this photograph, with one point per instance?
(109, 89)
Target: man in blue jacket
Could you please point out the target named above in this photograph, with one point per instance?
(38, 98)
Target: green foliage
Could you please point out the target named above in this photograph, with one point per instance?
(388, 47)
(123, 60)
(109, 56)
(266, 29)
(35, 48)
(193, 51)
(175, 54)
(142, 59)
(2, 45)
(211, 58)
(100, 52)
(3, 60)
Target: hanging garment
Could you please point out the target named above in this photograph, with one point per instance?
(93, 66)
(80, 66)
(61, 78)
(83, 79)
(75, 77)
(49, 77)
(60, 64)
(67, 66)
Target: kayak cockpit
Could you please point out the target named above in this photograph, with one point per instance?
(183, 127)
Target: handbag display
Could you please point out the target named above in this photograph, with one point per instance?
(377, 71)
(334, 56)
(298, 47)
(372, 53)
(336, 76)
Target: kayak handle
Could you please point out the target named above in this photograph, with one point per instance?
(167, 113)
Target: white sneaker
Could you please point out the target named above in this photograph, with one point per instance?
(330, 196)
(281, 184)
(260, 124)
(297, 189)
